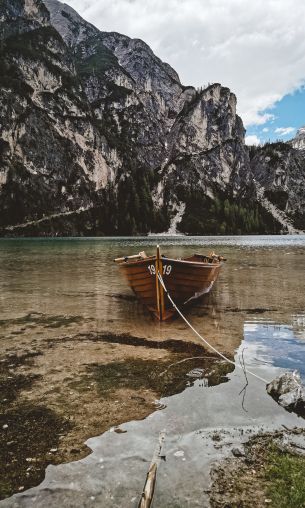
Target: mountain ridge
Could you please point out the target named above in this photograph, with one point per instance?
(100, 137)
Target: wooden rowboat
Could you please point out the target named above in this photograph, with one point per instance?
(185, 279)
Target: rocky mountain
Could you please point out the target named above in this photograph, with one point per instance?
(99, 136)
(299, 141)
(279, 174)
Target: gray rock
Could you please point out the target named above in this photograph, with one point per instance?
(196, 373)
(298, 141)
(288, 391)
(238, 452)
(278, 170)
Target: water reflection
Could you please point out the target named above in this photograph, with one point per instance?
(276, 344)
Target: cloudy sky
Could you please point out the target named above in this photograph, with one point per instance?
(255, 47)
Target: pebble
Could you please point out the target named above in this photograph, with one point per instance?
(196, 373)
(53, 450)
(5, 426)
(179, 453)
(120, 431)
(237, 452)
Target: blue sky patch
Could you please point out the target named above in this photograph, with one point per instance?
(288, 117)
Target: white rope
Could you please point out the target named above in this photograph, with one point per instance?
(204, 340)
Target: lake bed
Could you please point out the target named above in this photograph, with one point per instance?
(75, 343)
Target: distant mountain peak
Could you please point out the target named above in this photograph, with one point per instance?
(71, 26)
(299, 141)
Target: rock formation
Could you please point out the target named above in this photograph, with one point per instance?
(299, 141)
(98, 136)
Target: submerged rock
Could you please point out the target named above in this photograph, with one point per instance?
(289, 392)
(196, 373)
(238, 452)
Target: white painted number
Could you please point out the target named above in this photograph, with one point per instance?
(166, 269)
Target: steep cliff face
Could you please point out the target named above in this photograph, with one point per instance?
(54, 158)
(279, 174)
(99, 136)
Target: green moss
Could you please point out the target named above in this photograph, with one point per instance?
(286, 474)
(45, 320)
(164, 377)
(25, 446)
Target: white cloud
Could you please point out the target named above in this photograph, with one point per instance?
(284, 131)
(252, 140)
(255, 48)
(265, 129)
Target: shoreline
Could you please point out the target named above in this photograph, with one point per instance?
(78, 400)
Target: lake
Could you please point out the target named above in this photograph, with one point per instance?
(64, 302)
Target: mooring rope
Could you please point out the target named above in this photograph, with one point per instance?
(203, 339)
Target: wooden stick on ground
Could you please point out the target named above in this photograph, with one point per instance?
(149, 487)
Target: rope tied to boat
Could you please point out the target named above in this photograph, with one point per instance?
(243, 368)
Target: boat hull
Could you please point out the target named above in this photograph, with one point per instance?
(185, 281)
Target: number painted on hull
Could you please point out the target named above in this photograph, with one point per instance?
(152, 269)
(166, 269)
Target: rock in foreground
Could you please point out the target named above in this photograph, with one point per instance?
(289, 392)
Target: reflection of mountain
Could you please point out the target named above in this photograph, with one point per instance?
(298, 325)
(280, 345)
